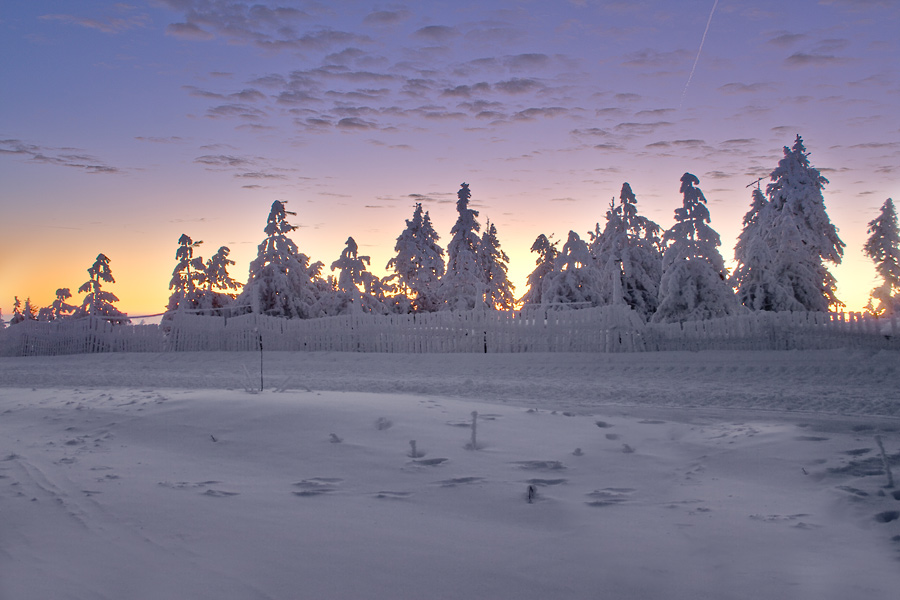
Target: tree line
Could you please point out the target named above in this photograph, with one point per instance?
(782, 257)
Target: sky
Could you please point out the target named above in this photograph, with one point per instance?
(125, 125)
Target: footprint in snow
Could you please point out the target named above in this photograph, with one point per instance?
(393, 495)
(316, 486)
(540, 465)
(610, 496)
(218, 493)
(460, 481)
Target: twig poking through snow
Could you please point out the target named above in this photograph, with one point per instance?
(884, 459)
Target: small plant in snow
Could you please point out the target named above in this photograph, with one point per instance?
(578, 452)
(413, 451)
(382, 423)
(473, 444)
(334, 439)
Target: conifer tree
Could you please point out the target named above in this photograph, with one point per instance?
(463, 286)
(419, 263)
(801, 235)
(282, 282)
(17, 317)
(356, 283)
(216, 287)
(574, 278)
(693, 285)
(547, 253)
(188, 273)
(754, 276)
(59, 308)
(98, 302)
(628, 255)
(883, 247)
(499, 290)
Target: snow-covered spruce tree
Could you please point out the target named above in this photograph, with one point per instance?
(801, 235)
(98, 302)
(547, 253)
(17, 316)
(419, 263)
(629, 257)
(188, 272)
(499, 290)
(282, 283)
(463, 285)
(216, 288)
(883, 247)
(59, 308)
(693, 285)
(574, 278)
(755, 276)
(355, 284)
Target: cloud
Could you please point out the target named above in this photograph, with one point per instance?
(656, 112)
(626, 97)
(354, 123)
(640, 128)
(465, 91)
(436, 33)
(223, 160)
(745, 88)
(530, 114)
(593, 131)
(784, 38)
(188, 31)
(386, 17)
(63, 157)
(805, 59)
(517, 85)
(259, 175)
(654, 58)
(241, 111)
(107, 24)
(173, 139)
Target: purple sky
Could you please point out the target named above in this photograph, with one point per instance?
(124, 125)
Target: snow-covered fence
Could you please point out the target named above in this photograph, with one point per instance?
(535, 329)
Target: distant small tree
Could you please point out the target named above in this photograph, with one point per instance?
(547, 253)
(693, 285)
(419, 263)
(499, 290)
(17, 316)
(883, 247)
(282, 282)
(463, 286)
(98, 302)
(574, 278)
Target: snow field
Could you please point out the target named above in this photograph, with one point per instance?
(156, 492)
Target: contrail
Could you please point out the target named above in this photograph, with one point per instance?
(699, 50)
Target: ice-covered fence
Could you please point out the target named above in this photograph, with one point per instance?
(535, 329)
(78, 336)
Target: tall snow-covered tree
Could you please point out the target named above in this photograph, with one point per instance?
(883, 247)
(755, 276)
(628, 255)
(356, 283)
(463, 285)
(282, 282)
(188, 273)
(499, 290)
(693, 285)
(574, 278)
(547, 253)
(98, 302)
(801, 235)
(419, 263)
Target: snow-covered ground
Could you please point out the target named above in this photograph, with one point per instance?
(719, 475)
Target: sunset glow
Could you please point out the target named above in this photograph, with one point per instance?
(125, 125)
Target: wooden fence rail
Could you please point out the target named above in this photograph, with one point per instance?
(599, 329)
